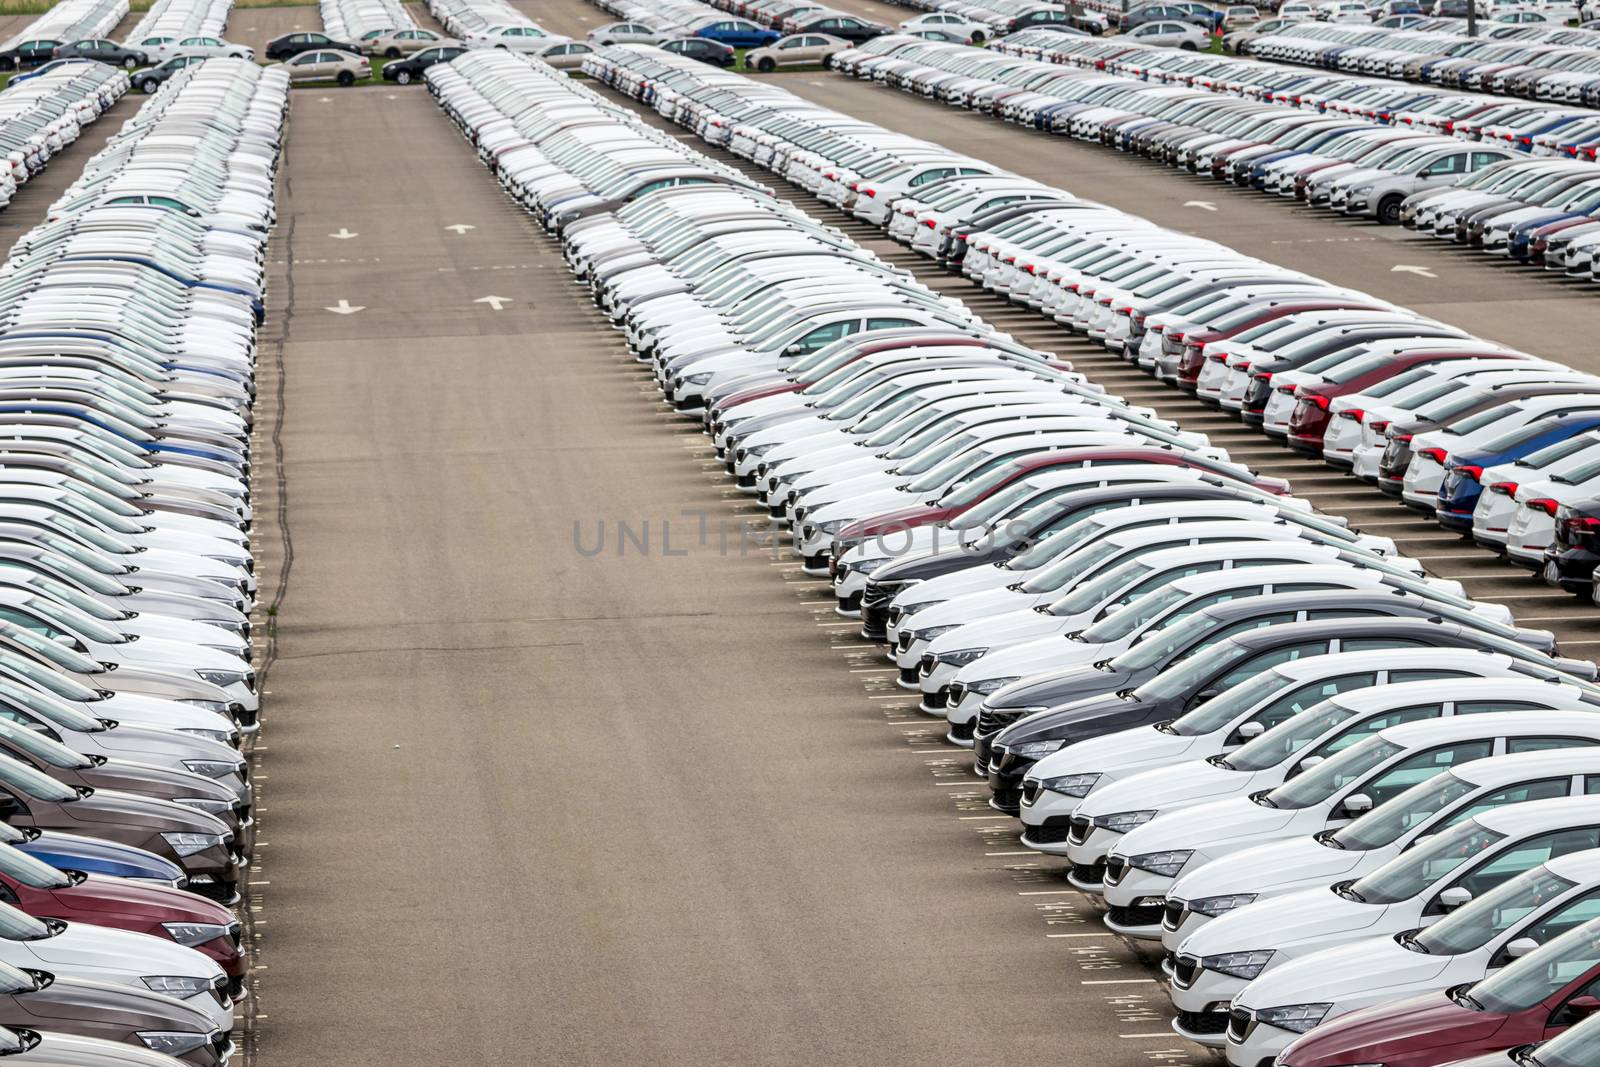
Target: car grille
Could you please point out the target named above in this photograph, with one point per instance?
(1082, 827)
(992, 722)
(1116, 868)
(895, 615)
(955, 694)
(235, 933)
(1203, 1022)
(1240, 1023)
(937, 699)
(1184, 971)
(1144, 915)
(925, 665)
(1050, 832)
(980, 764)
(909, 675)
(1030, 790)
(1173, 917)
(1090, 873)
(961, 731)
(903, 641)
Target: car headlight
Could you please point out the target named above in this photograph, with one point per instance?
(1071, 785)
(1362, 190)
(934, 631)
(1120, 822)
(172, 1042)
(211, 768)
(176, 985)
(205, 804)
(224, 737)
(221, 678)
(218, 706)
(698, 379)
(1036, 749)
(912, 609)
(1295, 1018)
(192, 934)
(961, 656)
(189, 844)
(989, 685)
(867, 566)
(1246, 965)
(832, 526)
(1166, 864)
(1214, 906)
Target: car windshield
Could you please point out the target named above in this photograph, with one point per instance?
(15, 980)
(14, 696)
(1092, 593)
(19, 926)
(15, 774)
(976, 488)
(1319, 783)
(1228, 705)
(1415, 870)
(1386, 823)
(1539, 975)
(68, 618)
(1183, 677)
(1478, 922)
(46, 649)
(1126, 620)
(30, 872)
(1287, 738)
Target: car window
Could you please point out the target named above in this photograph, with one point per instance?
(1573, 913)
(1363, 730)
(1414, 770)
(1396, 677)
(1544, 789)
(1374, 644)
(1303, 697)
(1455, 163)
(1545, 744)
(1267, 660)
(1526, 855)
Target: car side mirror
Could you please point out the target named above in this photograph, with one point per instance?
(1583, 1006)
(1357, 803)
(1454, 897)
(1310, 762)
(1207, 694)
(1251, 729)
(1521, 947)
(65, 641)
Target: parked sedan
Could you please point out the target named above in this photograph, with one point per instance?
(148, 81)
(736, 33)
(1169, 34)
(31, 53)
(703, 50)
(396, 43)
(292, 44)
(567, 55)
(405, 71)
(847, 27)
(342, 68)
(626, 33)
(103, 51)
(798, 50)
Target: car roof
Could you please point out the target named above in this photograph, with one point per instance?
(1362, 700)
(1500, 724)
(1534, 816)
(1519, 766)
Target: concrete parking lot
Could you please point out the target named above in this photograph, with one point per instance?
(525, 804)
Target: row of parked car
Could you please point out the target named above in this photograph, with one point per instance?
(1357, 800)
(126, 580)
(1521, 174)
(70, 20)
(1569, 71)
(351, 20)
(41, 116)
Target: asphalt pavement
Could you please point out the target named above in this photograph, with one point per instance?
(531, 801)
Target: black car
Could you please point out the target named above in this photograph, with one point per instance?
(1055, 18)
(703, 49)
(32, 53)
(292, 44)
(1162, 678)
(1574, 549)
(847, 27)
(148, 81)
(103, 51)
(405, 71)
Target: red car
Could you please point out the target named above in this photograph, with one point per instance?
(175, 914)
(1192, 359)
(1533, 998)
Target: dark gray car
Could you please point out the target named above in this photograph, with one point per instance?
(103, 51)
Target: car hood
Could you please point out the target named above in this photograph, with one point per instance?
(1086, 719)
(1429, 1020)
(1273, 868)
(1305, 917)
(1212, 828)
(121, 896)
(1042, 647)
(82, 945)
(1116, 755)
(973, 612)
(67, 1000)
(959, 583)
(1060, 687)
(1363, 968)
(1190, 782)
(108, 807)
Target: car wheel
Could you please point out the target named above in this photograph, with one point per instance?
(346, 79)
(129, 62)
(8, 64)
(1188, 46)
(1389, 210)
(392, 53)
(766, 65)
(403, 77)
(149, 85)
(978, 38)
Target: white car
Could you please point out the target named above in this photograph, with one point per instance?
(1525, 894)
(1170, 34)
(1288, 754)
(1429, 451)
(1553, 470)
(1357, 848)
(513, 38)
(971, 30)
(1054, 787)
(206, 48)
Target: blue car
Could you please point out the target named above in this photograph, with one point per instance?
(736, 33)
(70, 852)
(1459, 492)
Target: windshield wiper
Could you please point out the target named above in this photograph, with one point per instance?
(1262, 799)
(1220, 761)
(1326, 837)
(1460, 995)
(1408, 940)
(1166, 727)
(1347, 891)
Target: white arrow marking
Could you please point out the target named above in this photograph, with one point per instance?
(496, 302)
(343, 234)
(324, 99)
(1204, 205)
(1406, 268)
(345, 308)
(460, 228)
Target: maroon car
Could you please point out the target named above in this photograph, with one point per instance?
(44, 892)
(1531, 999)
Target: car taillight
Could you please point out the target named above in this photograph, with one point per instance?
(1544, 504)
(869, 191)
(1285, 389)
(1401, 438)
(1573, 526)
(1353, 413)
(1436, 454)
(1176, 336)
(1263, 376)
(1504, 488)
(1468, 470)
(1318, 402)
(930, 224)
(1219, 357)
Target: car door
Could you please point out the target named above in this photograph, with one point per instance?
(1514, 859)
